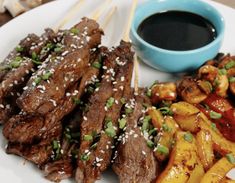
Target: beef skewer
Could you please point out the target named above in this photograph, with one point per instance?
(61, 72)
(134, 161)
(90, 170)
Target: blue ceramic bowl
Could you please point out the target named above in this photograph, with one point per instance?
(176, 61)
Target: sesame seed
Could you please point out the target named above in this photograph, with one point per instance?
(85, 118)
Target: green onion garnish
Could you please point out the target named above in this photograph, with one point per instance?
(215, 115)
(123, 100)
(19, 48)
(110, 131)
(213, 126)
(231, 79)
(166, 128)
(150, 143)
(152, 131)
(47, 75)
(188, 137)
(76, 101)
(165, 111)
(162, 149)
(96, 65)
(149, 93)
(37, 80)
(122, 123)
(74, 30)
(15, 64)
(84, 157)
(87, 138)
(230, 158)
(222, 71)
(35, 56)
(110, 102)
(230, 64)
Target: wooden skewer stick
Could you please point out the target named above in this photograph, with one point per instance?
(108, 17)
(70, 14)
(98, 12)
(128, 27)
(126, 38)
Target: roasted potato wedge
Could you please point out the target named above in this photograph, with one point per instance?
(218, 171)
(166, 137)
(220, 144)
(197, 174)
(183, 160)
(205, 148)
(156, 116)
(163, 91)
(187, 116)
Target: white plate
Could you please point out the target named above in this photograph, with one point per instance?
(12, 168)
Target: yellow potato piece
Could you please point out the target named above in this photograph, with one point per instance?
(184, 109)
(218, 171)
(182, 163)
(166, 137)
(197, 174)
(187, 116)
(220, 144)
(205, 148)
(156, 116)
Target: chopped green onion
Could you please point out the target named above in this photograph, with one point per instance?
(230, 64)
(188, 137)
(58, 49)
(55, 144)
(122, 123)
(216, 82)
(213, 126)
(76, 101)
(215, 115)
(93, 146)
(149, 93)
(74, 30)
(47, 75)
(145, 125)
(84, 157)
(231, 79)
(152, 131)
(97, 85)
(36, 62)
(96, 65)
(123, 100)
(15, 64)
(222, 71)
(110, 102)
(88, 138)
(37, 80)
(209, 85)
(166, 111)
(162, 149)
(128, 110)
(166, 128)
(90, 89)
(110, 131)
(19, 48)
(230, 158)
(35, 56)
(18, 59)
(50, 45)
(150, 143)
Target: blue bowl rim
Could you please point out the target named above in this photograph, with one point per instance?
(214, 42)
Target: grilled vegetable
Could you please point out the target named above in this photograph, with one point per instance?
(183, 161)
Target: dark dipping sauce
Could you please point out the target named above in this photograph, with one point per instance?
(177, 30)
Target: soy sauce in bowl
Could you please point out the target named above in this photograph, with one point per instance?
(177, 30)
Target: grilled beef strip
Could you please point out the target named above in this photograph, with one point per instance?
(100, 158)
(63, 168)
(41, 153)
(16, 78)
(62, 71)
(21, 49)
(14, 129)
(134, 161)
